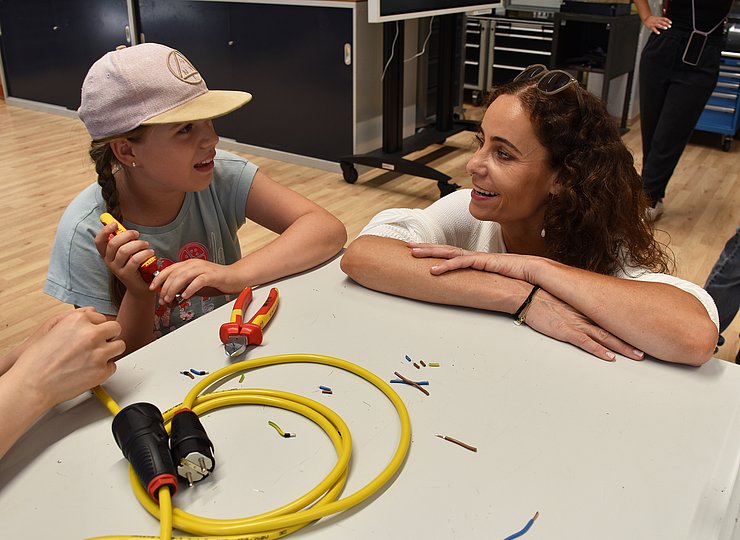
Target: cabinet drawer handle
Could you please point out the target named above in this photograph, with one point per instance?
(347, 54)
(724, 95)
(525, 51)
(717, 108)
(517, 36)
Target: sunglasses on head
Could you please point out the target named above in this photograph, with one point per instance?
(551, 82)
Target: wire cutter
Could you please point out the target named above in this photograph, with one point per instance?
(237, 336)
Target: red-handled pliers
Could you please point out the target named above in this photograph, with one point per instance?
(235, 335)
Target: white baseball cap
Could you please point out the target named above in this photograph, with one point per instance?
(149, 84)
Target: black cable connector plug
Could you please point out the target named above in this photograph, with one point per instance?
(140, 434)
(192, 450)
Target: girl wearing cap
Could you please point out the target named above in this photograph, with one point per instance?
(552, 232)
(149, 114)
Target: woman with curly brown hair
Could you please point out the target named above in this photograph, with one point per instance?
(552, 231)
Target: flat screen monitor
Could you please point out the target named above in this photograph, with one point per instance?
(395, 10)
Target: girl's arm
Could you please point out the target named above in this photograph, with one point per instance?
(657, 318)
(388, 265)
(308, 236)
(123, 255)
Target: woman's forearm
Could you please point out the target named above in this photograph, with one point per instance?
(643, 9)
(19, 409)
(386, 265)
(657, 318)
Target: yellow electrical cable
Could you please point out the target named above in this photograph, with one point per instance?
(165, 506)
(323, 499)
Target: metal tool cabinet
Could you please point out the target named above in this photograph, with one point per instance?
(721, 113)
(477, 31)
(497, 49)
(516, 44)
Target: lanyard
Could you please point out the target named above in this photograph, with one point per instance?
(697, 40)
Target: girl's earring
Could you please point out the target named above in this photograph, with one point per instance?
(542, 232)
(133, 164)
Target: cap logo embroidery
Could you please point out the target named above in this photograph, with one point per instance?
(182, 68)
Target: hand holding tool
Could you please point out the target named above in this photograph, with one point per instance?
(150, 268)
(235, 335)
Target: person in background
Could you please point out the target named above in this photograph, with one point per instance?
(552, 231)
(68, 354)
(149, 113)
(679, 67)
(723, 285)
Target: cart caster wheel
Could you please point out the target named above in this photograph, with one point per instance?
(726, 144)
(349, 172)
(445, 188)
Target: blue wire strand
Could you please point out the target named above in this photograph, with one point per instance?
(524, 530)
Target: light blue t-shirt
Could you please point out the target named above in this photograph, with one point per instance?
(206, 228)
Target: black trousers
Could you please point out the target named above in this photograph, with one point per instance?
(672, 97)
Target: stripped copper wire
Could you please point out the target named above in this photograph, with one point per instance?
(409, 381)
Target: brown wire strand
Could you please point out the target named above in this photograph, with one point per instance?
(460, 443)
(409, 381)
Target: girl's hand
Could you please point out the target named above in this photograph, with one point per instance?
(656, 24)
(194, 276)
(123, 254)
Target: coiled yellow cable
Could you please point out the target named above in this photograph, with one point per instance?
(323, 499)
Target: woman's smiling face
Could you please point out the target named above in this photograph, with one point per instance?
(510, 171)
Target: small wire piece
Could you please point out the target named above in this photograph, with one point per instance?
(282, 433)
(327, 392)
(412, 383)
(188, 374)
(422, 363)
(416, 365)
(525, 529)
(460, 443)
(241, 379)
(433, 364)
(400, 381)
(324, 388)
(198, 372)
(408, 358)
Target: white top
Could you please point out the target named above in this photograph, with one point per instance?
(449, 221)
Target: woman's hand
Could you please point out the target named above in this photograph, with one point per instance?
(553, 317)
(69, 354)
(194, 276)
(547, 314)
(509, 265)
(123, 254)
(656, 24)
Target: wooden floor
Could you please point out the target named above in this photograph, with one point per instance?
(44, 164)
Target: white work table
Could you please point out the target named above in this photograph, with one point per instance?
(639, 450)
